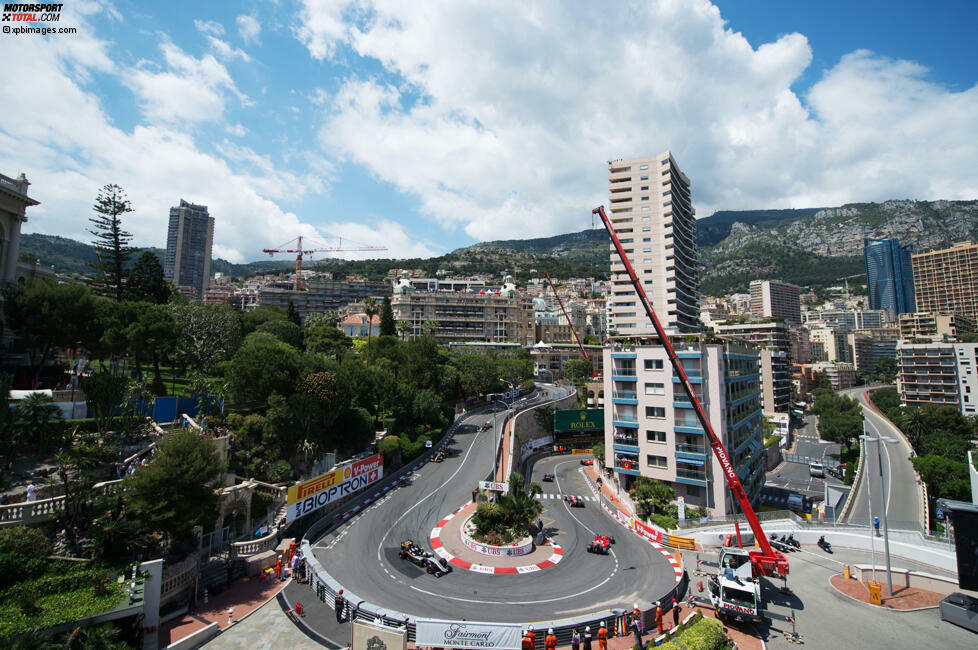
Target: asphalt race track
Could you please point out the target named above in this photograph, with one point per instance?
(362, 554)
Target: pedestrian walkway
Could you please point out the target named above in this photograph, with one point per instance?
(903, 599)
(268, 627)
(582, 497)
(242, 597)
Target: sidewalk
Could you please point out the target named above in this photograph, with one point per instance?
(243, 597)
(607, 491)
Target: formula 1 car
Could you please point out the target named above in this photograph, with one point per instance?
(486, 426)
(587, 461)
(548, 478)
(601, 544)
(415, 554)
(574, 502)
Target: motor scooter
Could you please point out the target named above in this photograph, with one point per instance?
(824, 545)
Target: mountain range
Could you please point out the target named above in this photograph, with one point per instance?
(814, 247)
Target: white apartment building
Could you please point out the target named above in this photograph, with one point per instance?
(851, 319)
(774, 334)
(833, 341)
(771, 299)
(651, 428)
(938, 373)
(841, 375)
(775, 381)
(650, 210)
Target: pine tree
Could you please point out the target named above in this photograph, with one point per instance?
(387, 325)
(111, 241)
(145, 281)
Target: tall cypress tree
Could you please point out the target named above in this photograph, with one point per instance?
(387, 325)
(111, 241)
(292, 314)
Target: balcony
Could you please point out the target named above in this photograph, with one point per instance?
(624, 397)
(631, 450)
(624, 466)
(690, 477)
(631, 441)
(625, 421)
(688, 426)
(691, 449)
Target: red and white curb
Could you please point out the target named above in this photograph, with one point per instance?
(617, 515)
(436, 545)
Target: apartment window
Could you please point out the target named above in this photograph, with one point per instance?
(644, 178)
(646, 239)
(692, 490)
(667, 193)
(665, 162)
(646, 261)
(655, 436)
(667, 204)
(645, 208)
(655, 388)
(646, 228)
(643, 167)
(646, 250)
(646, 218)
(645, 198)
(656, 461)
(645, 187)
(647, 272)
(653, 364)
(655, 412)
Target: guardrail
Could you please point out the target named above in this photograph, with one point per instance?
(31, 512)
(253, 546)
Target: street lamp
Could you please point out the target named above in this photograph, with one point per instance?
(495, 444)
(879, 440)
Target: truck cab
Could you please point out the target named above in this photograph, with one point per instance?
(734, 591)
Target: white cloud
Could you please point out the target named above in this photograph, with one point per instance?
(249, 28)
(209, 27)
(225, 52)
(382, 232)
(69, 153)
(237, 130)
(499, 116)
(189, 90)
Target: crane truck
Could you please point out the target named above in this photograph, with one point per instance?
(736, 586)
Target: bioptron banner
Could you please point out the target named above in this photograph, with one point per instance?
(461, 634)
(326, 488)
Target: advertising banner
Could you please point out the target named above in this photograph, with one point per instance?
(647, 532)
(323, 490)
(579, 420)
(367, 636)
(493, 486)
(582, 451)
(452, 634)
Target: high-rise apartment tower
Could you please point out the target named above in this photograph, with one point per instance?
(650, 210)
(889, 278)
(946, 280)
(771, 299)
(188, 247)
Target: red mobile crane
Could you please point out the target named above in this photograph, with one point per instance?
(571, 323)
(767, 561)
(309, 251)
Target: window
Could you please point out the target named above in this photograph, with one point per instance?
(655, 436)
(646, 218)
(645, 198)
(646, 261)
(692, 490)
(646, 228)
(653, 364)
(645, 178)
(645, 208)
(665, 162)
(656, 461)
(655, 388)
(646, 250)
(667, 204)
(643, 167)
(655, 412)
(645, 187)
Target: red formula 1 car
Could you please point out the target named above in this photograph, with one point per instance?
(601, 544)
(587, 461)
(574, 502)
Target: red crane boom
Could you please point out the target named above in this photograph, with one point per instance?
(767, 561)
(571, 323)
(309, 251)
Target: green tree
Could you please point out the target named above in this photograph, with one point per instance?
(111, 241)
(285, 331)
(651, 496)
(9, 434)
(354, 430)
(292, 314)
(331, 394)
(207, 333)
(885, 398)
(36, 412)
(145, 281)
(324, 339)
(261, 366)
(370, 308)
(577, 371)
(153, 334)
(251, 320)
(944, 477)
(46, 317)
(518, 506)
(177, 491)
(544, 416)
(104, 394)
(390, 447)
(327, 318)
(387, 325)
(514, 371)
(915, 426)
(403, 328)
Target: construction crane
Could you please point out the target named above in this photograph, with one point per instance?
(846, 281)
(284, 248)
(767, 561)
(571, 323)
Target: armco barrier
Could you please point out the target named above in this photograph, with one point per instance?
(325, 587)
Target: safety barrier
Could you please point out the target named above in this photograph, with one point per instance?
(254, 546)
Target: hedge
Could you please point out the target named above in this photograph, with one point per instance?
(706, 634)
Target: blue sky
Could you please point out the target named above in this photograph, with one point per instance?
(428, 126)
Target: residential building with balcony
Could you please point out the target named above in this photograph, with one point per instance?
(946, 280)
(321, 296)
(775, 381)
(772, 299)
(189, 239)
(862, 351)
(841, 375)
(925, 324)
(938, 373)
(651, 428)
(833, 341)
(850, 319)
(458, 316)
(761, 335)
(650, 210)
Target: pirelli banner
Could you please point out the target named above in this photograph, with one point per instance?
(313, 494)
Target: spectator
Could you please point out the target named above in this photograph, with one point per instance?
(587, 638)
(31, 492)
(575, 640)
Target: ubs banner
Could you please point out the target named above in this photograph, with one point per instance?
(331, 486)
(453, 634)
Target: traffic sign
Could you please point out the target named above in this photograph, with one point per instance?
(939, 513)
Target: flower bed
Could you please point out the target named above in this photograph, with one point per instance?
(493, 543)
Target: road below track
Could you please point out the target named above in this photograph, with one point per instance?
(362, 555)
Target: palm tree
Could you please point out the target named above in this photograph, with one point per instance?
(403, 327)
(430, 327)
(916, 427)
(36, 412)
(370, 308)
(518, 505)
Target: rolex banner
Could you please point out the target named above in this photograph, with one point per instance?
(455, 634)
(316, 493)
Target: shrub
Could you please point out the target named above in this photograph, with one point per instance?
(22, 553)
(667, 522)
(706, 634)
(260, 503)
(773, 440)
(279, 471)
